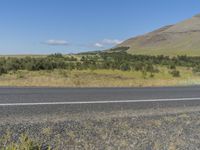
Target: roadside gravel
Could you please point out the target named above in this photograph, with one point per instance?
(114, 130)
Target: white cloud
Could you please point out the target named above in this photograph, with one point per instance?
(107, 43)
(56, 42)
(99, 45)
(112, 41)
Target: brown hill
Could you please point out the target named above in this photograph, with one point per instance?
(180, 39)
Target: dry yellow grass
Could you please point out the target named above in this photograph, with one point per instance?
(97, 78)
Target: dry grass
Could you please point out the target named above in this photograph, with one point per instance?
(97, 78)
(170, 41)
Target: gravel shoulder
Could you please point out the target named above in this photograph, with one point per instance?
(169, 128)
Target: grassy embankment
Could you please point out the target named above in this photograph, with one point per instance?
(98, 78)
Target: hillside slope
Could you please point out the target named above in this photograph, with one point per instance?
(180, 39)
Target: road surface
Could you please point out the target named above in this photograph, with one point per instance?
(32, 101)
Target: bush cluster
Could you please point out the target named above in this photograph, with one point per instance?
(104, 60)
(175, 73)
(55, 61)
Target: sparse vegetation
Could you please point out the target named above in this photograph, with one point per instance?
(167, 40)
(115, 60)
(99, 78)
(99, 70)
(119, 49)
(23, 143)
(175, 73)
(176, 128)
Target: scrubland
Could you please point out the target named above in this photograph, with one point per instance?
(98, 78)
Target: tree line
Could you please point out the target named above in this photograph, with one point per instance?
(104, 60)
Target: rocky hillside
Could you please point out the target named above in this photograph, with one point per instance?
(180, 39)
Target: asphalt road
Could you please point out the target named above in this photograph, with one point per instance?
(32, 101)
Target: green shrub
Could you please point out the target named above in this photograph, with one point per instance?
(125, 67)
(119, 60)
(196, 69)
(175, 73)
(3, 70)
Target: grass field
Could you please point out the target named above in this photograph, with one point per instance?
(98, 78)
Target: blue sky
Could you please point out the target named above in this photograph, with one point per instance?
(70, 26)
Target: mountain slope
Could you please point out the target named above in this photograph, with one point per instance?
(180, 39)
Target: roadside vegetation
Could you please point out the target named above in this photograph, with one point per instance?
(23, 143)
(99, 69)
(102, 60)
(98, 78)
